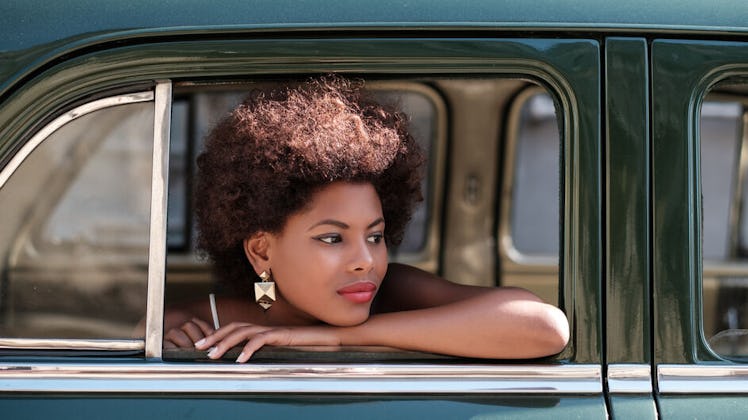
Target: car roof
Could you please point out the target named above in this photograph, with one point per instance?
(27, 23)
(33, 32)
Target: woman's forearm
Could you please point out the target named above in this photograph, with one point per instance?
(501, 324)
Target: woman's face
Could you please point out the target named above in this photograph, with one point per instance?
(330, 258)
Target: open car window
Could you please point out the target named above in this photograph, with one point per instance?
(523, 149)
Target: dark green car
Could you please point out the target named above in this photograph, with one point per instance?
(593, 152)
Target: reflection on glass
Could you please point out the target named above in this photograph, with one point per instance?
(74, 237)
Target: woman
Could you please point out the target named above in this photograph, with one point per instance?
(300, 191)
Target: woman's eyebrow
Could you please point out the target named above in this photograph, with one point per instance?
(329, 222)
(376, 222)
(343, 225)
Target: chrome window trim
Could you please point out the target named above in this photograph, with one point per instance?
(702, 379)
(629, 379)
(154, 321)
(513, 259)
(63, 119)
(300, 378)
(70, 344)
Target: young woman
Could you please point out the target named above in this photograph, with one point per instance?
(300, 190)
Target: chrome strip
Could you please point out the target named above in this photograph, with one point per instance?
(70, 344)
(63, 119)
(626, 379)
(154, 320)
(306, 378)
(702, 379)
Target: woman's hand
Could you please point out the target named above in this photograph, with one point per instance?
(187, 334)
(256, 336)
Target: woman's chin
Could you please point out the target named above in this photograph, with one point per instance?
(348, 319)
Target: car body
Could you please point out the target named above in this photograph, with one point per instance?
(617, 235)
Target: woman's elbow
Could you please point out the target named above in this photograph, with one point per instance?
(554, 334)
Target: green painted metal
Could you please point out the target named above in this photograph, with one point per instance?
(302, 407)
(627, 195)
(640, 407)
(30, 23)
(682, 73)
(706, 407)
(35, 35)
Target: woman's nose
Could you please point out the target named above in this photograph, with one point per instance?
(362, 258)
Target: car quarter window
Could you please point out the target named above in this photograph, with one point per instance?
(724, 168)
(74, 242)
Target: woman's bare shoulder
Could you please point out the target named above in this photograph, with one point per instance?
(406, 287)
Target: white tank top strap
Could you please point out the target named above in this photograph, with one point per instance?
(214, 311)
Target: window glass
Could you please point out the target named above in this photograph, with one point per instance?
(535, 199)
(75, 231)
(724, 167)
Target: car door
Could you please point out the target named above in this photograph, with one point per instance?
(699, 267)
(141, 383)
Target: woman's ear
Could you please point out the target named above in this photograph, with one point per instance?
(256, 249)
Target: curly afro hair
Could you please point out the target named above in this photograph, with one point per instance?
(263, 162)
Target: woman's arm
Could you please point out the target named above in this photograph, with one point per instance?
(499, 323)
(426, 313)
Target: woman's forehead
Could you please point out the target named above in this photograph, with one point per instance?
(347, 202)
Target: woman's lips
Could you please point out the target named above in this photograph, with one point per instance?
(361, 292)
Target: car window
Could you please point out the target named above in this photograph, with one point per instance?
(724, 167)
(75, 233)
(530, 203)
(520, 125)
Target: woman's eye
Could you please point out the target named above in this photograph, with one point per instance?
(329, 239)
(375, 238)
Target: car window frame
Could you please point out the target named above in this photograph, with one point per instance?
(577, 370)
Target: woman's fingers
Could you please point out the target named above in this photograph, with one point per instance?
(178, 338)
(193, 331)
(277, 337)
(233, 335)
(206, 328)
(190, 332)
(221, 333)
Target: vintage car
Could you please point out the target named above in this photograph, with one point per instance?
(595, 153)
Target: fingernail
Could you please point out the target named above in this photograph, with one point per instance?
(241, 356)
(200, 343)
(212, 352)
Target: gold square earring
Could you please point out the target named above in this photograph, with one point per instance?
(265, 291)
